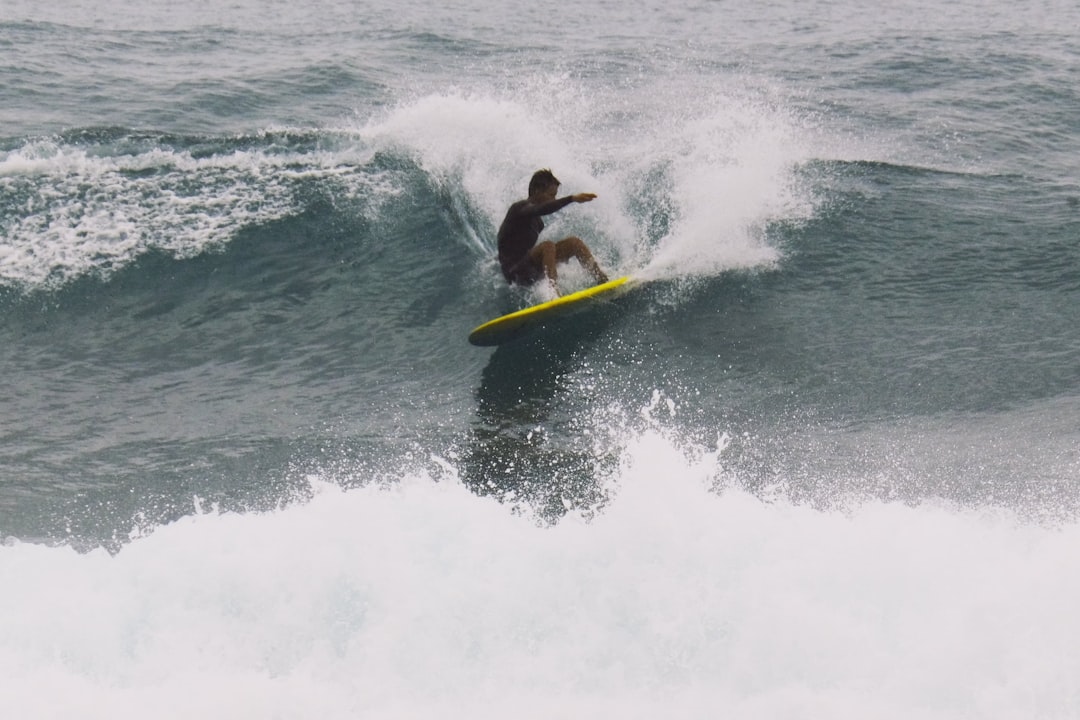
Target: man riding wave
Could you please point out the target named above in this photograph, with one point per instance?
(523, 259)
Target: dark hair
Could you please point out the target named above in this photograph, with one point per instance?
(541, 180)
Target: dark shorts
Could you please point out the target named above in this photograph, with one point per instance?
(524, 272)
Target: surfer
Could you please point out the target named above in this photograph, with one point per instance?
(522, 258)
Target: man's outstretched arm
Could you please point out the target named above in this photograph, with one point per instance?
(546, 208)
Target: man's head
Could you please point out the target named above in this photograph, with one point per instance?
(542, 181)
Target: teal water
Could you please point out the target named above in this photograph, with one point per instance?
(241, 249)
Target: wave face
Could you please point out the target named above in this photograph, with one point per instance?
(823, 462)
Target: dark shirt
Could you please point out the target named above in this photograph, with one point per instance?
(521, 228)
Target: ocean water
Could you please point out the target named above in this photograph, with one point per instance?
(825, 463)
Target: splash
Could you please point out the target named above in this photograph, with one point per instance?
(731, 173)
(688, 182)
(418, 597)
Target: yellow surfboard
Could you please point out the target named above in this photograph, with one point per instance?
(507, 327)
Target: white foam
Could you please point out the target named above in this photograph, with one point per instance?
(420, 599)
(86, 213)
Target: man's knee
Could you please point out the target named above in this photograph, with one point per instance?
(542, 249)
(572, 247)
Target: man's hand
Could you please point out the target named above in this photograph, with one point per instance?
(583, 197)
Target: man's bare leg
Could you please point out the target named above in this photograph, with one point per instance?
(549, 254)
(573, 247)
(545, 255)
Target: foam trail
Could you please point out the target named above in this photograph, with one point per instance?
(74, 210)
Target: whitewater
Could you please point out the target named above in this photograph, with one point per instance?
(418, 598)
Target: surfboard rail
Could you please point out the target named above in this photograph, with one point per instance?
(507, 327)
